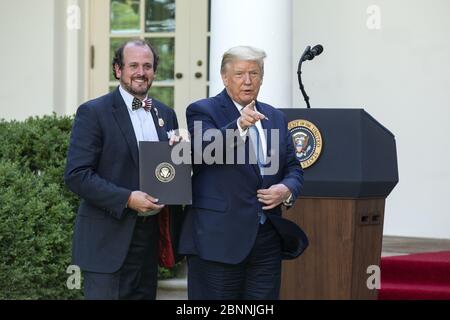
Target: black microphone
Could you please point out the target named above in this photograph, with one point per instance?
(309, 54)
(302, 58)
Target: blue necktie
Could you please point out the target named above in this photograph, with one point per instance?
(257, 147)
(256, 141)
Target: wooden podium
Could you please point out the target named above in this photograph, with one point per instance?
(342, 206)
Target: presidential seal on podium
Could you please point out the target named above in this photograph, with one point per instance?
(307, 141)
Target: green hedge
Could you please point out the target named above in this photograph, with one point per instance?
(37, 211)
(35, 236)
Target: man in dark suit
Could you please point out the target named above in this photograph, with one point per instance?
(231, 233)
(116, 235)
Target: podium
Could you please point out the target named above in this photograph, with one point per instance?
(341, 208)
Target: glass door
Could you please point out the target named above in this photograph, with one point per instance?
(178, 29)
(154, 21)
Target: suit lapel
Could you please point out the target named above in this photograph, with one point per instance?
(229, 110)
(123, 120)
(162, 135)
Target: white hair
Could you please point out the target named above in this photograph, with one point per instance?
(246, 53)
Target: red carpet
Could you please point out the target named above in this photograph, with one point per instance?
(416, 277)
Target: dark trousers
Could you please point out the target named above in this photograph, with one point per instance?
(137, 278)
(257, 277)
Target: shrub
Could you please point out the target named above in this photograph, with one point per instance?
(37, 211)
(39, 145)
(35, 236)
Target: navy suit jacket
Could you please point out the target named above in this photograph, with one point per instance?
(222, 223)
(103, 169)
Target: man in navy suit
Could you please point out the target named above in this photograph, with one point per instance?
(231, 232)
(116, 235)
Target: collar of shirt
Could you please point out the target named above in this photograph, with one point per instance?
(127, 97)
(142, 121)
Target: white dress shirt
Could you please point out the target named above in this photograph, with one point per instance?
(144, 128)
(143, 124)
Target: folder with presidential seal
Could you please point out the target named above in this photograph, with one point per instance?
(165, 171)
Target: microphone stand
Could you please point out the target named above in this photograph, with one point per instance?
(308, 54)
(299, 74)
(302, 88)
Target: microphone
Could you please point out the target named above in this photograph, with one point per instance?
(309, 54)
(302, 58)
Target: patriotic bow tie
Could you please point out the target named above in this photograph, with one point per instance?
(146, 104)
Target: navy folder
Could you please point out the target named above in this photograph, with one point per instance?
(160, 173)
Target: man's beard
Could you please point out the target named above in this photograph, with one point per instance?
(137, 91)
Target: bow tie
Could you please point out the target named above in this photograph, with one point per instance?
(146, 104)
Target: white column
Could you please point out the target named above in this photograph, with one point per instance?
(73, 57)
(69, 58)
(266, 24)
